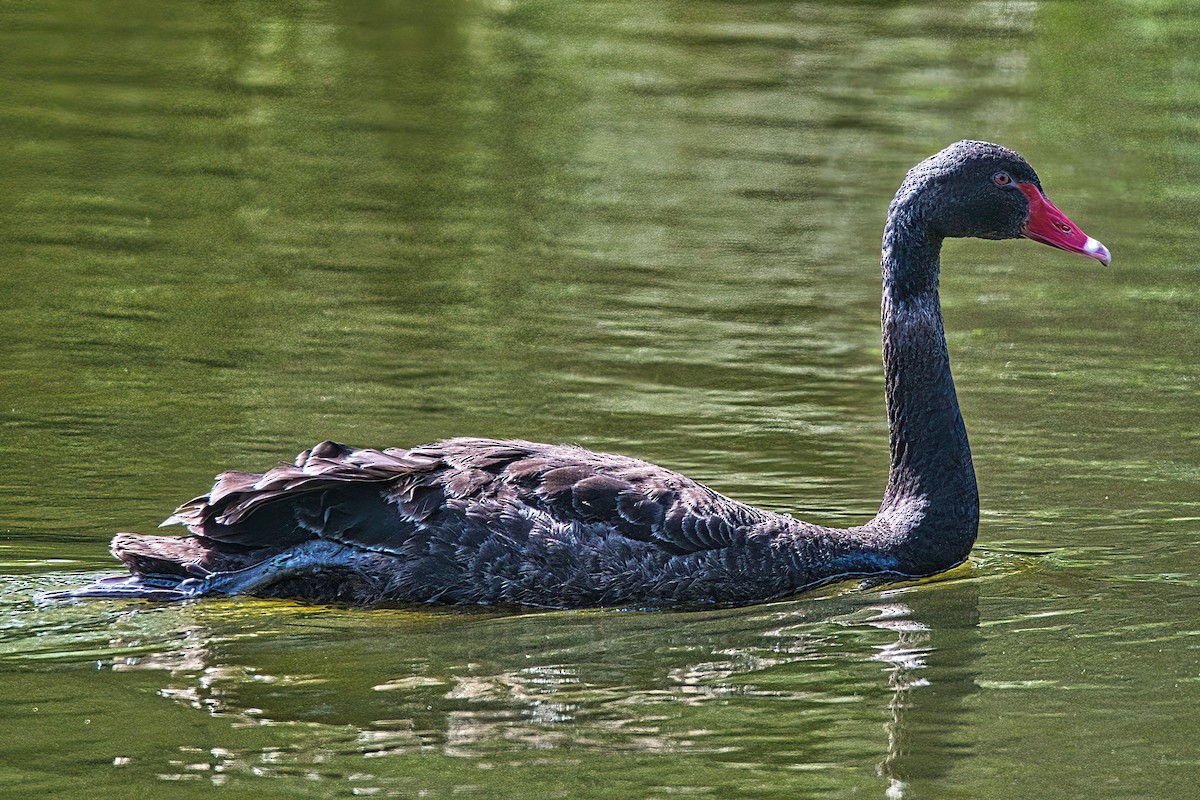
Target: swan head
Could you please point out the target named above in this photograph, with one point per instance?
(983, 190)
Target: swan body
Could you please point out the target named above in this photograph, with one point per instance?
(482, 521)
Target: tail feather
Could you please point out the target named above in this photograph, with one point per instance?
(184, 556)
(165, 568)
(157, 555)
(331, 492)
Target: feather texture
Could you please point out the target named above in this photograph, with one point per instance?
(485, 521)
(480, 521)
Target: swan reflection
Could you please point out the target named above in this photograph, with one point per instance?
(789, 687)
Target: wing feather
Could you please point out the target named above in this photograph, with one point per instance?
(466, 489)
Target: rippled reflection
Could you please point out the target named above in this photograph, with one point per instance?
(557, 684)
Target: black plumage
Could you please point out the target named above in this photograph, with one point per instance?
(473, 521)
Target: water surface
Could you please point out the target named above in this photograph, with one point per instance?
(234, 230)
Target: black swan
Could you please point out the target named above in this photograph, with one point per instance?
(479, 521)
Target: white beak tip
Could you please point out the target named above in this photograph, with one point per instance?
(1097, 251)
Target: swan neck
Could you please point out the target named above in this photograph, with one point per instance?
(912, 251)
(931, 501)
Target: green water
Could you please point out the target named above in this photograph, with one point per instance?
(231, 230)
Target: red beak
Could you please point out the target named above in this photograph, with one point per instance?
(1050, 226)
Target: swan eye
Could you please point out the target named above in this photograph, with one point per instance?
(1064, 227)
(1002, 179)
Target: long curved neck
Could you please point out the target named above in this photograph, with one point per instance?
(931, 506)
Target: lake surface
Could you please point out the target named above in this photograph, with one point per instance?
(231, 230)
